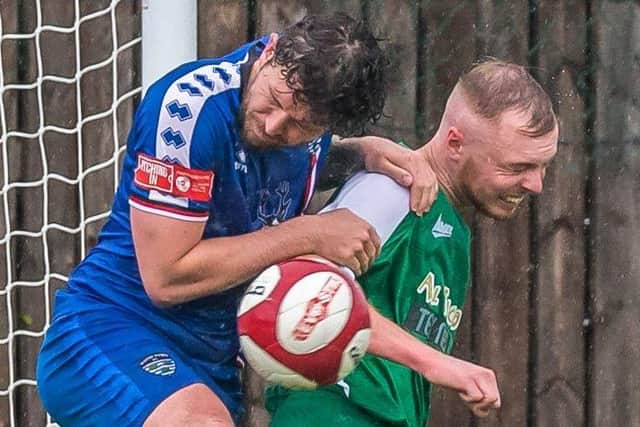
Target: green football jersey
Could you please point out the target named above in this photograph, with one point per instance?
(419, 281)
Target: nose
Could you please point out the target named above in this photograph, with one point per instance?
(532, 181)
(274, 123)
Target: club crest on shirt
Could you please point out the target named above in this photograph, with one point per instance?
(273, 206)
(158, 364)
(240, 161)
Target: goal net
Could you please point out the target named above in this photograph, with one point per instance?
(69, 83)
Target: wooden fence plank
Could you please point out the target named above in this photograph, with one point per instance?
(222, 26)
(60, 109)
(559, 370)
(129, 27)
(28, 302)
(97, 136)
(615, 217)
(9, 15)
(501, 250)
(273, 16)
(448, 36)
(397, 22)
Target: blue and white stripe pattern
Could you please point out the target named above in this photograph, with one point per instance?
(182, 104)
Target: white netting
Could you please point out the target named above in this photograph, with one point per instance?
(38, 127)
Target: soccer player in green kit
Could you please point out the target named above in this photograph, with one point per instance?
(496, 137)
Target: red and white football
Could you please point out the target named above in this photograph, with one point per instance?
(303, 323)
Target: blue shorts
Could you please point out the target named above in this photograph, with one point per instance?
(105, 366)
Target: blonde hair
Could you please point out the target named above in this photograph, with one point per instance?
(493, 87)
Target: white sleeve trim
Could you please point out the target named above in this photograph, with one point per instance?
(167, 214)
(376, 198)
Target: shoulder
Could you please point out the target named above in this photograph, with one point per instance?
(444, 224)
(197, 101)
(182, 92)
(367, 189)
(376, 198)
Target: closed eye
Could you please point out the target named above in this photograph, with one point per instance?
(519, 168)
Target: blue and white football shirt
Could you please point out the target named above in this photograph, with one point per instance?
(185, 160)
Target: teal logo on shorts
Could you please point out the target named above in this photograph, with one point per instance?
(159, 364)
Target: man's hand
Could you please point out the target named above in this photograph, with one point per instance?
(344, 238)
(405, 166)
(476, 386)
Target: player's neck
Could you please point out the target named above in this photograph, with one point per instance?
(436, 160)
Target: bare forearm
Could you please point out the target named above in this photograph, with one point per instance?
(390, 341)
(214, 265)
(176, 265)
(476, 385)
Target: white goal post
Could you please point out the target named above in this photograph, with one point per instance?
(71, 75)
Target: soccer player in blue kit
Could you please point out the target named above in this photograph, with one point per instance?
(221, 162)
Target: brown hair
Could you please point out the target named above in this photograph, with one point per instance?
(494, 86)
(334, 64)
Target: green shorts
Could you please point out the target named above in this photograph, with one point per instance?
(317, 408)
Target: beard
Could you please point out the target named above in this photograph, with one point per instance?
(486, 204)
(248, 127)
(245, 123)
(489, 210)
(479, 204)
(242, 124)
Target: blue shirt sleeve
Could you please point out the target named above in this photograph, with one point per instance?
(180, 131)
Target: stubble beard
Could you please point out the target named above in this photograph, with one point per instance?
(242, 124)
(479, 204)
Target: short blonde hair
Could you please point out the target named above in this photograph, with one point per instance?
(493, 87)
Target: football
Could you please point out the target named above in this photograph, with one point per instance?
(303, 323)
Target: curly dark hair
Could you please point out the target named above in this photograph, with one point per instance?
(334, 65)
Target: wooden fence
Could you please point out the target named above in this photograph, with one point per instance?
(555, 302)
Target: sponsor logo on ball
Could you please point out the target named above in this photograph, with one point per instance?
(317, 308)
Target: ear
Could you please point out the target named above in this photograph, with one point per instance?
(455, 143)
(270, 48)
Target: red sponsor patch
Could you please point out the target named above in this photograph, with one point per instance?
(154, 174)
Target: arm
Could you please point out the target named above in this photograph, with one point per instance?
(343, 160)
(476, 386)
(405, 166)
(176, 265)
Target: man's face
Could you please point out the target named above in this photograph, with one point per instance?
(270, 117)
(505, 165)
